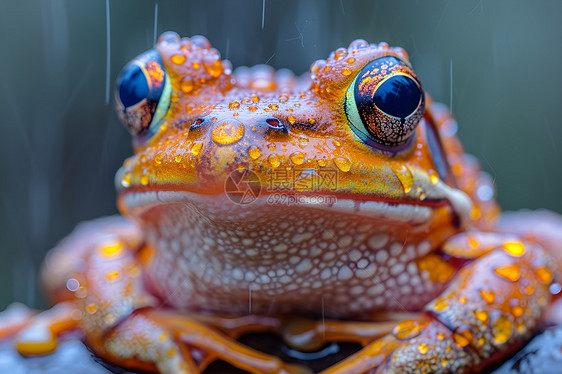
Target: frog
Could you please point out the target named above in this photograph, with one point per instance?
(338, 206)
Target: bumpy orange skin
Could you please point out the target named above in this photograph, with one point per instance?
(395, 236)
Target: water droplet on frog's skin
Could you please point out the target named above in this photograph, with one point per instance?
(126, 180)
(407, 329)
(274, 160)
(322, 162)
(423, 348)
(186, 85)
(271, 147)
(344, 164)
(158, 158)
(297, 158)
(195, 147)
(303, 140)
(178, 59)
(501, 330)
(144, 179)
(405, 177)
(228, 132)
(254, 152)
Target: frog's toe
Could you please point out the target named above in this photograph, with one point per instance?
(39, 334)
(168, 342)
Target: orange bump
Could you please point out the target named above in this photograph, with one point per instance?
(111, 276)
(178, 59)
(544, 274)
(423, 348)
(111, 249)
(510, 272)
(488, 296)
(501, 330)
(481, 315)
(514, 248)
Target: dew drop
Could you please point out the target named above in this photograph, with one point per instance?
(303, 140)
(322, 162)
(186, 85)
(228, 132)
(544, 274)
(158, 158)
(273, 106)
(195, 147)
(271, 147)
(178, 59)
(233, 105)
(291, 120)
(406, 329)
(254, 152)
(346, 71)
(297, 158)
(481, 315)
(405, 177)
(126, 180)
(274, 160)
(423, 348)
(144, 179)
(501, 330)
(342, 163)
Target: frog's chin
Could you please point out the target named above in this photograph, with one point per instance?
(409, 212)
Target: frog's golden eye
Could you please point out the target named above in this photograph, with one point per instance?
(385, 103)
(142, 96)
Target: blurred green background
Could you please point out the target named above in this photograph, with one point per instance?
(61, 142)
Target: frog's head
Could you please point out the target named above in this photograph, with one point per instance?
(258, 150)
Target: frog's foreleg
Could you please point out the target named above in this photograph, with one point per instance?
(490, 309)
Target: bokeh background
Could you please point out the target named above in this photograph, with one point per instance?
(496, 63)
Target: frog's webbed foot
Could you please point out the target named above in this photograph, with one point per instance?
(490, 309)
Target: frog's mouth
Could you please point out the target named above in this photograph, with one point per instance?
(410, 210)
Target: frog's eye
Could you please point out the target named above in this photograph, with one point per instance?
(385, 103)
(142, 96)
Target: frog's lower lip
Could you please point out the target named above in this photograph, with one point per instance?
(138, 202)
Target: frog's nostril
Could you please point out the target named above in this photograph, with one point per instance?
(275, 124)
(199, 122)
(227, 131)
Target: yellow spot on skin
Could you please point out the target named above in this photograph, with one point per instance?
(439, 270)
(233, 105)
(406, 329)
(473, 243)
(440, 336)
(488, 296)
(111, 249)
(481, 340)
(514, 248)
(109, 319)
(460, 340)
(91, 308)
(252, 108)
(544, 274)
(350, 60)
(462, 300)
(501, 330)
(254, 152)
(196, 65)
(311, 121)
(291, 120)
(517, 311)
(529, 290)
(111, 276)
(171, 352)
(255, 99)
(163, 336)
(346, 71)
(440, 304)
(433, 176)
(510, 272)
(481, 315)
(178, 59)
(228, 132)
(273, 106)
(423, 348)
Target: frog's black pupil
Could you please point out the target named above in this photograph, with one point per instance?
(398, 96)
(133, 86)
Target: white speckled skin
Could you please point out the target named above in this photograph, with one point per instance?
(214, 255)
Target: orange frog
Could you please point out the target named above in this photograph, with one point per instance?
(326, 209)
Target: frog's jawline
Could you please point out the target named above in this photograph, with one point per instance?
(139, 202)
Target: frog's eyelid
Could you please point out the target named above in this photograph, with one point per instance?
(162, 107)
